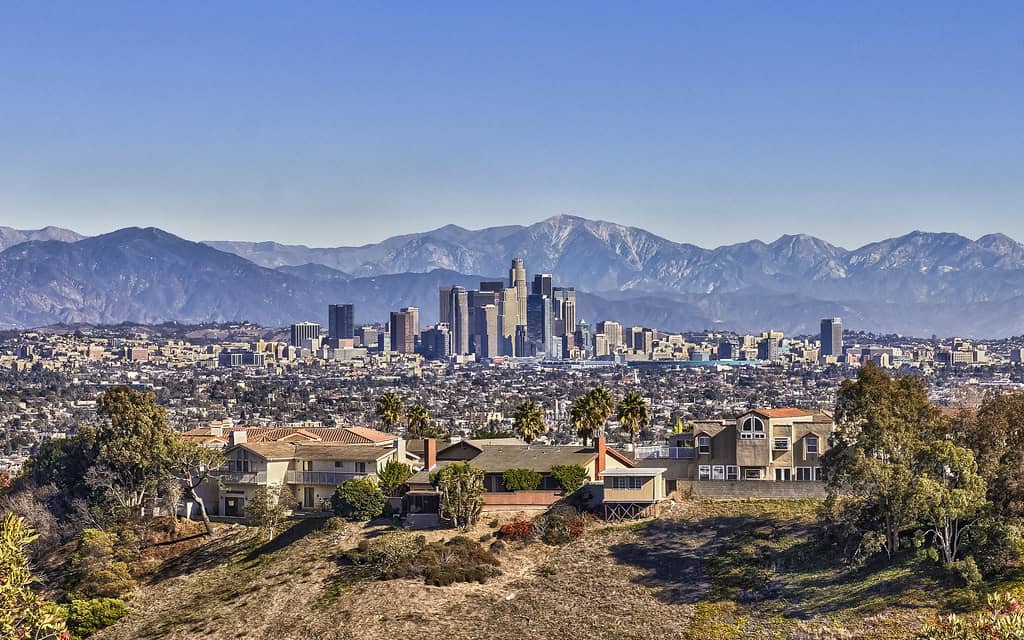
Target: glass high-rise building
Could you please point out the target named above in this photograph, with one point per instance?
(832, 337)
(340, 322)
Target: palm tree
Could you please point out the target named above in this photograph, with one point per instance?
(390, 410)
(528, 421)
(603, 406)
(633, 414)
(419, 420)
(581, 417)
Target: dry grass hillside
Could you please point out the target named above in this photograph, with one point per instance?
(722, 569)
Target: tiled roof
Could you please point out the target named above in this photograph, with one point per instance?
(315, 451)
(788, 412)
(341, 435)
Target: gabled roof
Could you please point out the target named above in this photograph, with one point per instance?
(315, 451)
(342, 435)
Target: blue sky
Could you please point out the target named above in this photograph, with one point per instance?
(337, 123)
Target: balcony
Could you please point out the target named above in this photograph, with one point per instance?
(320, 477)
(240, 477)
(667, 453)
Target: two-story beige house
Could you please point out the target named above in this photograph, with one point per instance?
(310, 469)
(779, 445)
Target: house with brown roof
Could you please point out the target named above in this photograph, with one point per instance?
(310, 468)
(780, 445)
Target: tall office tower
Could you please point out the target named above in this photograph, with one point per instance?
(613, 333)
(414, 314)
(403, 340)
(508, 320)
(517, 281)
(583, 339)
(832, 337)
(445, 308)
(600, 345)
(542, 284)
(493, 286)
(478, 302)
(485, 335)
(304, 331)
(458, 320)
(367, 335)
(340, 321)
(538, 324)
(565, 309)
(522, 341)
(436, 342)
(729, 349)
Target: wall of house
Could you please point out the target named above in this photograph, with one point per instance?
(520, 500)
(651, 491)
(748, 489)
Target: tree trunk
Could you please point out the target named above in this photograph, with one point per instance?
(202, 511)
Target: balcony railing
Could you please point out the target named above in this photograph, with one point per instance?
(670, 453)
(236, 477)
(320, 477)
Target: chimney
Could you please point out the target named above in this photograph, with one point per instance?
(600, 448)
(429, 453)
(237, 436)
(216, 430)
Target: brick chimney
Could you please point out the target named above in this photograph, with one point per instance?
(429, 453)
(601, 449)
(237, 436)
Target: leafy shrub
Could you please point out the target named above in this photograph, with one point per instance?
(997, 546)
(406, 555)
(358, 499)
(518, 530)
(560, 525)
(86, 617)
(968, 571)
(390, 550)
(98, 566)
(572, 477)
(1002, 620)
(521, 479)
(393, 477)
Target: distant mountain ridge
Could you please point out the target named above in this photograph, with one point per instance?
(920, 283)
(10, 237)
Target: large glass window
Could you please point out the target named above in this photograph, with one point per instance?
(811, 444)
(704, 445)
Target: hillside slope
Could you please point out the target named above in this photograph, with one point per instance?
(660, 579)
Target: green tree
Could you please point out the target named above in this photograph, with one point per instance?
(528, 421)
(572, 477)
(521, 479)
(134, 448)
(358, 499)
(191, 464)
(634, 415)
(99, 567)
(268, 508)
(882, 424)
(419, 420)
(581, 418)
(390, 410)
(603, 406)
(23, 614)
(393, 476)
(461, 489)
(954, 494)
(995, 434)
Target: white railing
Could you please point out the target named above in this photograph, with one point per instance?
(234, 477)
(670, 453)
(320, 477)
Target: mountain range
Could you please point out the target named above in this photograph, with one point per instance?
(920, 283)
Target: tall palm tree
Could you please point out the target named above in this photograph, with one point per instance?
(390, 410)
(634, 415)
(602, 405)
(419, 420)
(581, 417)
(528, 421)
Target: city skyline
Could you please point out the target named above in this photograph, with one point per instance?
(764, 121)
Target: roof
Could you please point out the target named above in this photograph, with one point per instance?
(786, 412)
(634, 471)
(538, 457)
(315, 451)
(343, 435)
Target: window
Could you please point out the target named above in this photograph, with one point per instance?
(811, 444)
(751, 474)
(360, 467)
(704, 472)
(732, 472)
(704, 445)
(337, 464)
(817, 473)
(783, 474)
(241, 463)
(803, 474)
(753, 424)
(746, 436)
(307, 465)
(760, 436)
(781, 444)
(718, 472)
(627, 482)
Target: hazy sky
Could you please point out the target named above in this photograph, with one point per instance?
(343, 123)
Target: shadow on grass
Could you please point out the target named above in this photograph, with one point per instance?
(288, 537)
